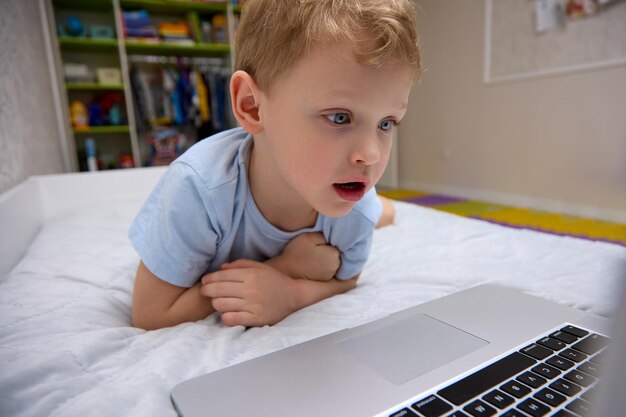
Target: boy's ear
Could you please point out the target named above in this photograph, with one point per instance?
(244, 94)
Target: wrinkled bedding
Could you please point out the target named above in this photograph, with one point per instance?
(67, 349)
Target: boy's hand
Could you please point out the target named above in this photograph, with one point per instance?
(308, 256)
(250, 293)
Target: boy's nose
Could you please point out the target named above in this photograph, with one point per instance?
(366, 150)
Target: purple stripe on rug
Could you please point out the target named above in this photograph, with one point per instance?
(434, 200)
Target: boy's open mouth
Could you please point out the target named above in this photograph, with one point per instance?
(351, 185)
(350, 191)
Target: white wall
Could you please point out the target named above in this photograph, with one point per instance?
(556, 142)
(29, 142)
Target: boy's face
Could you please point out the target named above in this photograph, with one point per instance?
(327, 128)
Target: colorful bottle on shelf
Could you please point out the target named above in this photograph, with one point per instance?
(90, 150)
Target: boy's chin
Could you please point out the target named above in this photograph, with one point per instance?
(337, 210)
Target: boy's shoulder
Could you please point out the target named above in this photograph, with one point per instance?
(370, 206)
(218, 159)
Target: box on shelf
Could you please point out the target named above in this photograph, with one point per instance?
(77, 73)
(101, 32)
(109, 76)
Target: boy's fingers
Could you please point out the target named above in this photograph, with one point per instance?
(222, 275)
(222, 289)
(238, 318)
(317, 238)
(228, 304)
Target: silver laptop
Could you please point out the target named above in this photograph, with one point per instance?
(485, 351)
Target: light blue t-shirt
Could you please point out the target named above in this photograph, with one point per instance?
(201, 214)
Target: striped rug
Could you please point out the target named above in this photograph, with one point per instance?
(521, 218)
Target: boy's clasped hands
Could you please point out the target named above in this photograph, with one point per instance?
(252, 293)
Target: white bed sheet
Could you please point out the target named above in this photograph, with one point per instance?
(66, 347)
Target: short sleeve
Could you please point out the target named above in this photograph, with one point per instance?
(173, 233)
(353, 234)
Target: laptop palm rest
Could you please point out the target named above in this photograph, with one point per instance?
(409, 347)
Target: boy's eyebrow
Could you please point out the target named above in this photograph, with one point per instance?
(349, 94)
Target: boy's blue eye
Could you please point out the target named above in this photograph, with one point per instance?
(386, 125)
(338, 118)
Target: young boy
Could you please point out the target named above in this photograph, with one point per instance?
(260, 221)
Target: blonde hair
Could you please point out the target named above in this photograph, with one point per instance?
(274, 34)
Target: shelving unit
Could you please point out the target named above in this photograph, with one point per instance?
(123, 136)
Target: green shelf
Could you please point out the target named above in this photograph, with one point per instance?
(94, 130)
(165, 48)
(93, 86)
(87, 44)
(165, 6)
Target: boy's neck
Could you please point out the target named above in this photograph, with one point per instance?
(276, 201)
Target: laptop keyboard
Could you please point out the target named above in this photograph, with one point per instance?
(554, 376)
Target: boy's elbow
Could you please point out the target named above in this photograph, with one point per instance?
(143, 321)
(388, 214)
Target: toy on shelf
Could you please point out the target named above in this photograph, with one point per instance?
(219, 29)
(96, 118)
(138, 25)
(126, 161)
(166, 144)
(72, 26)
(90, 151)
(78, 115)
(176, 32)
(115, 115)
(111, 104)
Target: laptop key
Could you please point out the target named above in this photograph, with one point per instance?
(548, 371)
(486, 378)
(499, 399)
(590, 395)
(457, 414)
(405, 412)
(592, 344)
(533, 407)
(564, 337)
(591, 369)
(600, 358)
(537, 352)
(432, 406)
(532, 380)
(515, 389)
(565, 387)
(573, 355)
(479, 408)
(579, 406)
(551, 343)
(580, 378)
(575, 331)
(550, 397)
(561, 363)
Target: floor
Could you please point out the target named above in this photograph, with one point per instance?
(522, 218)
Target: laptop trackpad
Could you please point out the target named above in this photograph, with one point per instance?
(410, 347)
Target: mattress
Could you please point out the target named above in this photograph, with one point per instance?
(67, 347)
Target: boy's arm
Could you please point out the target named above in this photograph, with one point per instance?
(158, 304)
(251, 293)
(308, 256)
